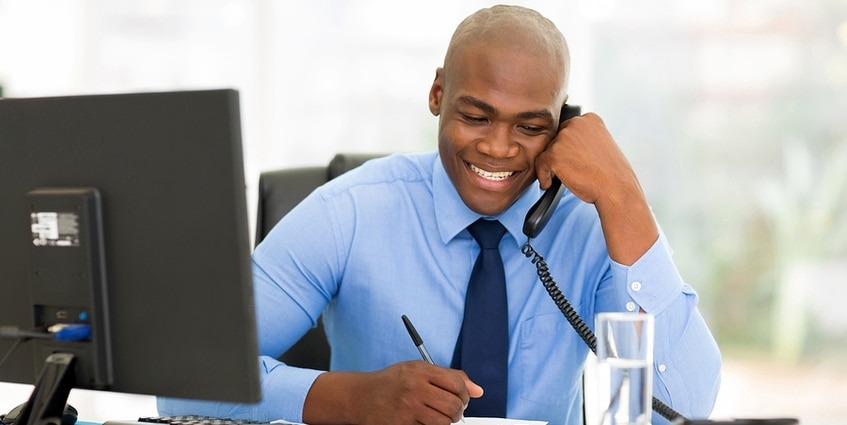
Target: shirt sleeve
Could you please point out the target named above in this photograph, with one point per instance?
(283, 394)
(687, 361)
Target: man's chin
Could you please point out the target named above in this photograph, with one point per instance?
(489, 207)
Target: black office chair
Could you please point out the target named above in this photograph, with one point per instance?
(279, 192)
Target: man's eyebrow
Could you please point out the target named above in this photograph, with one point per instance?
(472, 101)
(541, 113)
(485, 107)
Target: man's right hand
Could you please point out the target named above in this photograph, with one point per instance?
(412, 392)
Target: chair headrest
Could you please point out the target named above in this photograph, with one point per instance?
(344, 162)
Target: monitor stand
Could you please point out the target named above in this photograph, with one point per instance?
(46, 405)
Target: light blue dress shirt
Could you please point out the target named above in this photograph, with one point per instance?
(389, 238)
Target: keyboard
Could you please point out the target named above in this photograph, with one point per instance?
(186, 420)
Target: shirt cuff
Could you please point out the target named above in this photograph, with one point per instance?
(651, 283)
(284, 390)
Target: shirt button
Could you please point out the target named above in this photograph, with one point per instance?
(630, 306)
(636, 286)
(663, 367)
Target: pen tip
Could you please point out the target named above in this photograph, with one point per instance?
(412, 331)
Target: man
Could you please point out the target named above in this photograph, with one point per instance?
(390, 238)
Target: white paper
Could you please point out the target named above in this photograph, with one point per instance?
(468, 421)
(499, 421)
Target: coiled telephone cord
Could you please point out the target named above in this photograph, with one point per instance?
(578, 324)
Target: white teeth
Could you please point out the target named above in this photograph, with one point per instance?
(488, 175)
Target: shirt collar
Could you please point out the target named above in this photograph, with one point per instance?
(452, 215)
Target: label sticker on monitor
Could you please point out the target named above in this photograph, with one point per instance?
(55, 228)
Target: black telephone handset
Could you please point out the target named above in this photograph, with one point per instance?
(539, 214)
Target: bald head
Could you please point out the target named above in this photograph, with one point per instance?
(512, 28)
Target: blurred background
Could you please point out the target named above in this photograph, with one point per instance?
(731, 112)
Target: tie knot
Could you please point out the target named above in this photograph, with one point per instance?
(487, 233)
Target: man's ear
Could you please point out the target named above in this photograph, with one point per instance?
(436, 91)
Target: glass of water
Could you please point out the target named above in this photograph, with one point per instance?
(625, 367)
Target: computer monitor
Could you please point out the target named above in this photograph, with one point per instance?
(124, 215)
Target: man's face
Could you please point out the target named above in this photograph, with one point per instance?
(498, 111)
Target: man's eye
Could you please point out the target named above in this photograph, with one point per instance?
(474, 119)
(532, 129)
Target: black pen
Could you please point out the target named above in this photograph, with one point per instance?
(417, 339)
(419, 343)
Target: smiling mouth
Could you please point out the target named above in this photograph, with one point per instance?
(491, 175)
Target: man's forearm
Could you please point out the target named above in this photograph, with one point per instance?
(628, 225)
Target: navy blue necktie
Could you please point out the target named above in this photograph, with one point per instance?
(482, 349)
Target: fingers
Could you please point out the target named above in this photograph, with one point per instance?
(474, 390)
(456, 384)
(586, 158)
(431, 394)
(547, 162)
(543, 171)
(412, 392)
